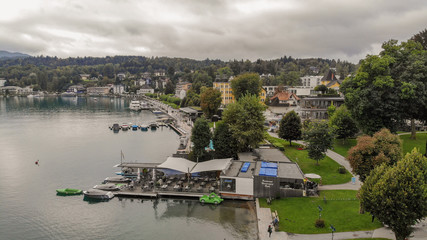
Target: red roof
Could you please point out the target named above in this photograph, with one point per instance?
(285, 96)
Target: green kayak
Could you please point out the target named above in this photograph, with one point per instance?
(68, 191)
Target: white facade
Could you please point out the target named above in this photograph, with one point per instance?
(270, 90)
(118, 89)
(145, 90)
(244, 186)
(311, 81)
(181, 93)
(2, 82)
(303, 91)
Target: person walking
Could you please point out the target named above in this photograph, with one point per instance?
(270, 230)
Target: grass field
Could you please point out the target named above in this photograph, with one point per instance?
(342, 148)
(327, 168)
(409, 144)
(298, 215)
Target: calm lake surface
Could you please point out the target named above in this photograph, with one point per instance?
(70, 137)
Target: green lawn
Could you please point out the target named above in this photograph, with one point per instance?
(409, 144)
(327, 168)
(342, 148)
(298, 215)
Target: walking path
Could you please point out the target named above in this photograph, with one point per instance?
(420, 229)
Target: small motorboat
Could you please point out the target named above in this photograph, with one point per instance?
(98, 194)
(124, 127)
(117, 179)
(68, 191)
(134, 127)
(115, 127)
(143, 127)
(153, 126)
(107, 187)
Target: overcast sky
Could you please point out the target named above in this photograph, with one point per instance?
(200, 29)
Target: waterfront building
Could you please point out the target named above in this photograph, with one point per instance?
(317, 107)
(145, 89)
(118, 88)
(2, 82)
(98, 90)
(181, 89)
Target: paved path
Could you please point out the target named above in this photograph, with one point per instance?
(264, 219)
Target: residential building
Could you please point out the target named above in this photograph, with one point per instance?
(331, 81)
(182, 88)
(160, 73)
(317, 107)
(118, 89)
(121, 76)
(226, 92)
(262, 95)
(16, 90)
(284, 98)
(270, 90)
(84, 76)
(76, 89)
(146, 75)
(302, 91)
(2, 82)
(311, 81)
(145, 89)
(98, 90)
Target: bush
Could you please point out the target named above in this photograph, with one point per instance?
(342, 170)
(320, 223)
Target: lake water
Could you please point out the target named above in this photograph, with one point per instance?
(71, 139)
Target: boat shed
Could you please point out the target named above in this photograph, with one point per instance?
(278, 179)
(237, 181)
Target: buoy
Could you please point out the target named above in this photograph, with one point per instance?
(37, 163)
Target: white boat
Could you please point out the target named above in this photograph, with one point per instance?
(107, 187)
(98, 194)
(135, 105)
(124, 127)
(117, 179)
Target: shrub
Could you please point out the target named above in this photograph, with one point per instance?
(341, 170)
(320, 223)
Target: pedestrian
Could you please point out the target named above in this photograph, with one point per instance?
(37, 162)
(270, 230)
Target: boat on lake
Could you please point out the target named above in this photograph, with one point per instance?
(98, 194)
(107, 187)
(117, 179)
(143, 127)
(135, 105)
(115, 127)
(134, 127)
(68, 191)
(153, 126)
(124, 127)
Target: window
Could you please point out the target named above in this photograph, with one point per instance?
(228, 184)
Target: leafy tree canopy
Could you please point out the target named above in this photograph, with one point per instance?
(397, 195)
(247, 83)
(210, 101)
(200, 136)
(290, 127)
(224, 143)
(342, 124)
(383, 147)
(319, 139)
(246, 121)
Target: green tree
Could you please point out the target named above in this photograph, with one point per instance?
(247, 83)
(397, 195)
(290, 127)
(319, 138)
(200, 136)
(169, 88)
(224, 143)
(108, 70)
(421, 37)
(410, 71)
(322, 88)
(371, 95)
(341, 123)
(200, 79)
(224, 72)
(331, 110)
(383, 147)
(246, 121)
(210, 101)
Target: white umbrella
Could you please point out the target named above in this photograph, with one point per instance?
(312, 175)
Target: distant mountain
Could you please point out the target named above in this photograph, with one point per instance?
(6, 54)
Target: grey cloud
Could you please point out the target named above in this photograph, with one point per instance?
(216, 29)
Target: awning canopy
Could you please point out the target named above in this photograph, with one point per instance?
(185, 166)
(312, 175)
(212, 165)
(178, 164)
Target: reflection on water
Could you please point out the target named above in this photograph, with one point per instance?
(70, 137)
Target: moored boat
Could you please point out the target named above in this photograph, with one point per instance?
(134, 127)
(68, 191)
(153, 126)
(143, 127)
(98, 194)
(117, 179)
(107, 187)
(124, 127)
(135, 105)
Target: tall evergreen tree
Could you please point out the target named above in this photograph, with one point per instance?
(200, 136)
(290, 127)
(224, 143)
